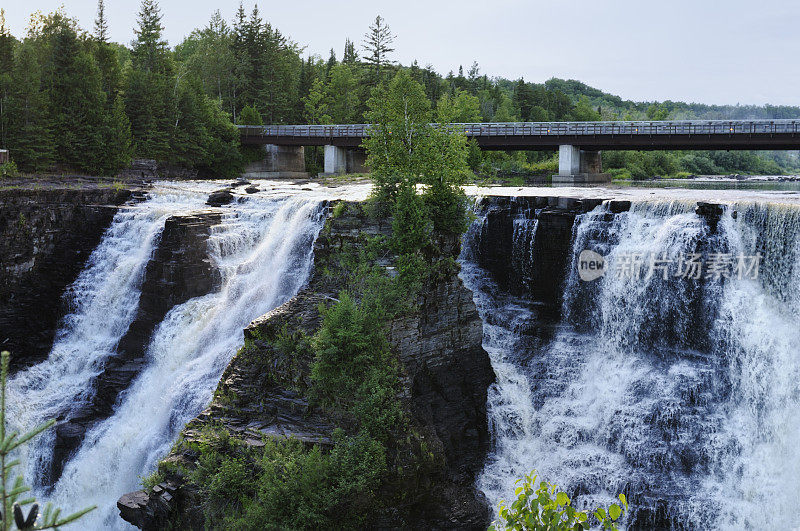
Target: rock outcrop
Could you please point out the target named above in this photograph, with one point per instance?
(179, 270)
(445, 374)
(522, 263)
(46, 236)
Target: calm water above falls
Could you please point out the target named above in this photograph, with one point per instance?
(684, 395)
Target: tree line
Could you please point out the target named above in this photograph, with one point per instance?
(72, 100)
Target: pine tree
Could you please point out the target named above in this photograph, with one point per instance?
(29, 137)
(377, 45)
(116, 140)
(11, 512)
(106, 57)
(76, 101)
(7, 44)
(331, 63)
(350, 57)
(150, 91)
(100, 23)
(150, 52)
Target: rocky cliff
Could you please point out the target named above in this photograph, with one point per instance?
(46, 235)
(444, 375)
(526, 265)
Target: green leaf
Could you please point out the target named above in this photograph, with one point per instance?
(623, 500)
(614, 511)
(562, 499)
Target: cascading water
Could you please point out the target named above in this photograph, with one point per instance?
(682, 393)
(263, 249)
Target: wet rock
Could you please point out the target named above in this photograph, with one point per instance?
(618, 206)
(251, 189)
(220, 198)
(711, 212)
(538, 265)
(148, 511)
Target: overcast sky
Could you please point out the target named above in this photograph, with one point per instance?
(709, 51)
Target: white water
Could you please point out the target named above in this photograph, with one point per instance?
(263, 248)
(684, 396)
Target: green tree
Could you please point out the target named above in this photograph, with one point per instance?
(250, 116)
(116, 140)
(342, 94)
(401, 116)
(377, 47)
(150, 95)
(150, 52)
(505, 110)
(77, 103)
(349, 57)
(316, 107)
(462, 107)
(100, 23)
(657, 112)
(30, 136)
(7, 45)
(404, 149)
(584, 111)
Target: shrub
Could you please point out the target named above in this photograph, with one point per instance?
(9, 169)
(543, 507)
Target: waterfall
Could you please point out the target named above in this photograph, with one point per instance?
(682, 393)
(263, 249)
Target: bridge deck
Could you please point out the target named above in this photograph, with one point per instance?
(694, 134)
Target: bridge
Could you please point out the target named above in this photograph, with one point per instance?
(579, 143)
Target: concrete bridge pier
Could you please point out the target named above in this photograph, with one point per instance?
(279, 162)
(578, 166)
(339, 160)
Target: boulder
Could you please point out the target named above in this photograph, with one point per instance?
(220, 197)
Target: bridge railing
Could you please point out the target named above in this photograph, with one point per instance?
(689, 127)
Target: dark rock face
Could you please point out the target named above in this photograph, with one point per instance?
(151, 169)
(148, 511)
(46, 236)
(219, 198)
(445, 374)
(179, 270)
(446, 377)
(526, 243)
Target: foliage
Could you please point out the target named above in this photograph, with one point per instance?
(354, 367)
(404, 150)
(650, 164)
(285, 484)
(11, 492)
(377, 46)
(544, 508)
(9, 169)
